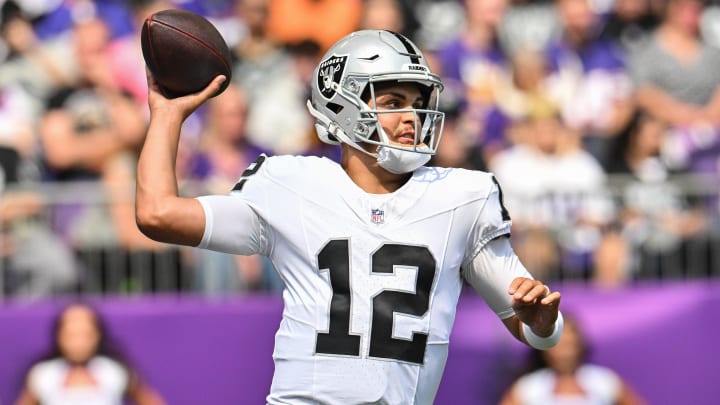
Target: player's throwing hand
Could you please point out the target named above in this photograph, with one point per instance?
(184, 105)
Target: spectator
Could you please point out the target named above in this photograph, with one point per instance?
(272, 82)
(675, 79)
(384, 15)
(255, 44)
(656, 217)
(223, 149)
(588, 78)
(564, 375)
(524, 92)
(438, 21)
(474, 60)
(630, 22)
(520, 94)
(25, 272)
(710, 23)
(471, 66)
(88, 135)
(90, 120)
(57, 18)
(32, 66)
(83, 368)
(323, 21)
(528, 24)
(672, 72)
(22, 233)
(127, 66)
(455, 150)
(564, 199)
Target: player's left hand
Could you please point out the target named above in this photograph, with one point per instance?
(534, 304)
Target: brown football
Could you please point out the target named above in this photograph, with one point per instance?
(184, 51)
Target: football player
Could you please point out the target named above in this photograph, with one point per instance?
(374, 250)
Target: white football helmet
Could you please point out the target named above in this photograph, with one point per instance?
(348, 73)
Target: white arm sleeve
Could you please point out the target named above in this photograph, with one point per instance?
(232, 226)
(491, 272)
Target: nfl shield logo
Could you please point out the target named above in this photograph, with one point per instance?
(377, 216)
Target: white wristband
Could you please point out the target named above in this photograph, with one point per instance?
(544, 343)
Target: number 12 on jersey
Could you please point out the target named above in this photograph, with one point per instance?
(335, 258)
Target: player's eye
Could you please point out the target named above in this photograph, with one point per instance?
(389, 104)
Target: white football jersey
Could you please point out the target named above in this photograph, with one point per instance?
(371, 280)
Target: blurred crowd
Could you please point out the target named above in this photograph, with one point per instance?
(599, 118)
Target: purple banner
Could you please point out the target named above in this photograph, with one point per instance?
(662, 338)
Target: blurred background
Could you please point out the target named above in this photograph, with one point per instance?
(600, 119)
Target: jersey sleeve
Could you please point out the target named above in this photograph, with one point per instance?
(492, 220)
(490, 273)
(234, 223)
(232, 226)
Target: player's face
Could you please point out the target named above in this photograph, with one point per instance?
(400, 127)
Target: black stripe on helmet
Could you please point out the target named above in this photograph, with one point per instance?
(414, 57)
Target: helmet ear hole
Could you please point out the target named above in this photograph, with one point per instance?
(336, 108)
(365, 96)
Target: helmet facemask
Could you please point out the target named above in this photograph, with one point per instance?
(428, 121)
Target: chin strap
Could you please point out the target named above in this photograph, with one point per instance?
(323, 125)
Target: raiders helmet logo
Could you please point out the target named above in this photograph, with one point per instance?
(329, 72)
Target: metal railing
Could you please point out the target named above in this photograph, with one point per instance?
(71, 243)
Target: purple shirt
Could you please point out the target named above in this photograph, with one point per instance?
(455, 56)
(596, 54)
